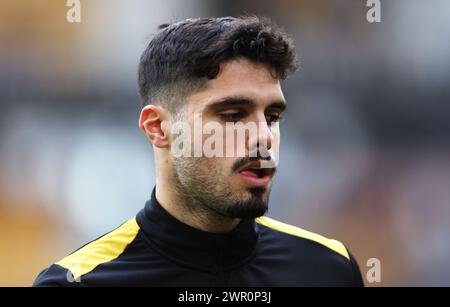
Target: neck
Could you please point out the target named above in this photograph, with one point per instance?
(190, 214)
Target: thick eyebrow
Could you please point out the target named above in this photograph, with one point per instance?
(231, 102)
(281, 105)
(236, 101)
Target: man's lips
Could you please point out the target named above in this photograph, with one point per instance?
(254, 175)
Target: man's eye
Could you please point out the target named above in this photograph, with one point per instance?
(232, 117)
(272, 118)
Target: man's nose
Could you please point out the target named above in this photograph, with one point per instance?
(260, 144)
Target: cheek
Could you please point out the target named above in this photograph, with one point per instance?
(275, 129)
(218, 167)
(223, 164)
(275, 139)
(214, 166)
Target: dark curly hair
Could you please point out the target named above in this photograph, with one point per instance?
(184, 55)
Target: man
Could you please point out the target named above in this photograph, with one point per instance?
(204, 223)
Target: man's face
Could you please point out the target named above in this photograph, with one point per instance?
(236, 185)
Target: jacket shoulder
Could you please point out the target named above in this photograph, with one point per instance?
(333, 262)
(83, 261)
(295, 231)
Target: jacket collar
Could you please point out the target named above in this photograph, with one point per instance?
(181, 243)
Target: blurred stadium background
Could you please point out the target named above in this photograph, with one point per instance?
(365, 153)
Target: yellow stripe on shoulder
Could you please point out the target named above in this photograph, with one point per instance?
(296, 231)
(102, 250)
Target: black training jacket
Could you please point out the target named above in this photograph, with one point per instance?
(155, 249)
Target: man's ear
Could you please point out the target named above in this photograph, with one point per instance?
(154, 122)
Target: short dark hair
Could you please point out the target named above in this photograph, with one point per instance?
(184, 55)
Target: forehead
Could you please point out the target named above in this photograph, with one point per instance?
(240, 78)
